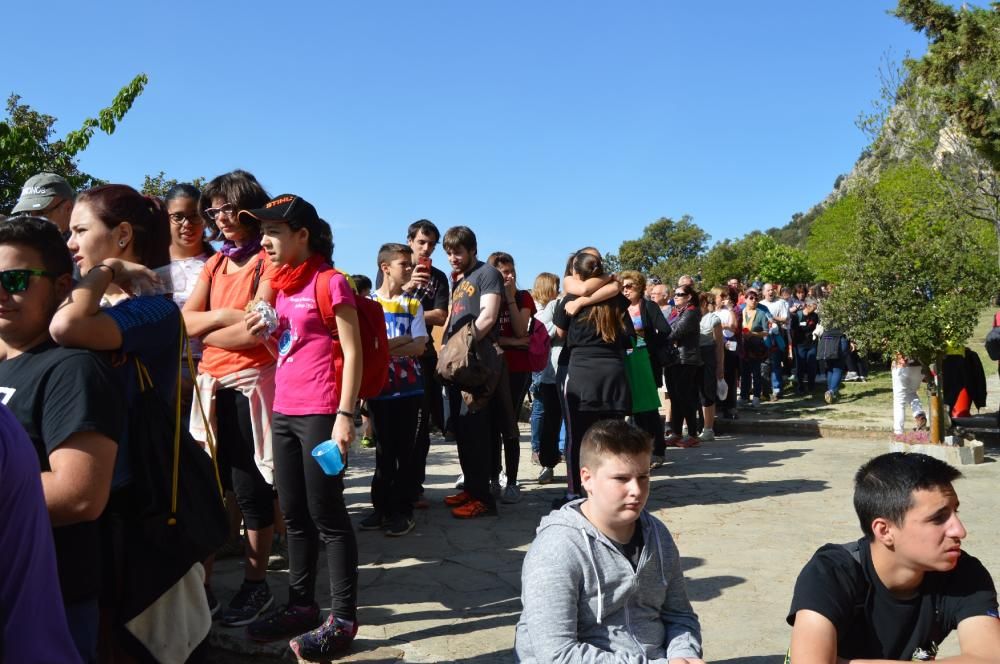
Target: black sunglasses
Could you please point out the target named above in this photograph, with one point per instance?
(680, 294)
(16, 281)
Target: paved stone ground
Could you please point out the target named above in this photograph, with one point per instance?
(746, 511)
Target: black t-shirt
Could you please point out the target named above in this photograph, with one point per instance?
(632, 549)
(55, 392)
(481, 280)
(582, 333)
(871, 622)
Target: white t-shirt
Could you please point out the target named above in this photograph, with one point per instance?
(184, 274)
(709, 322)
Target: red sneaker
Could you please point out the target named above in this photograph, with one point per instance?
(458, 499)
(473, 509)
(688, 441)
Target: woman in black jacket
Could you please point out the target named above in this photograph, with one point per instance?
(682, 376)
(653, 332)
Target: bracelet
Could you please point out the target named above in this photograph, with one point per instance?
(345, 413)
(104, 266)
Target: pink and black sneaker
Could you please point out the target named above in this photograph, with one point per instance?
(329, 640)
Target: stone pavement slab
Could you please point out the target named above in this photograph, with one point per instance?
(746, 511)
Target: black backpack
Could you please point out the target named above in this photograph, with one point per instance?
(993, 343)
(829, 345)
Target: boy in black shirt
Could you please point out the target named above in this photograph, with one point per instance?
(896, 593)
(70, 405)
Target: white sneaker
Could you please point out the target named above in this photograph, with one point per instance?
(707, 434)
(545, 476)
(502, 478)
(756, 402)
(460, 482)
(851, 376)
(511, 494)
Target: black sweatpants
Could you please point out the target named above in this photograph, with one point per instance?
(683, 382)
(236, 458)
(394, 484)
(431, 412)
(313, 505)
(548, 435)
(473, 436)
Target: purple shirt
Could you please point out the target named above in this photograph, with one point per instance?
(31, 615)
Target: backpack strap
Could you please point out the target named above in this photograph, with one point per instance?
(211, 278)
(323, 301)
(258, 270)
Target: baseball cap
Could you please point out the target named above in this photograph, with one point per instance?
(40, 190)
(286, 208)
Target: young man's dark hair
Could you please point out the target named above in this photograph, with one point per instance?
(42, 236)
(884, 486)
(896, 593)
(459, 236)
(424, 226)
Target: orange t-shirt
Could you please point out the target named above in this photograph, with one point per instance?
(232, 291)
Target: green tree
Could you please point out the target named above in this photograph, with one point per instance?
(666, 247)
(917, 273)
(961, 67)
(830, 238)
(159, 185)
(28, 145)
(785, 265)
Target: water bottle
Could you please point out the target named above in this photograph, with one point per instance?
(327, 455)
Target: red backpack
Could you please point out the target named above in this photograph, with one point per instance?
(374, 340)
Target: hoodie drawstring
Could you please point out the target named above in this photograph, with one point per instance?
(597, 576)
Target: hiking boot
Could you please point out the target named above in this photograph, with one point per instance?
(251, 600)
(688, 441)
(399, 526)
(458, 499)
(472, 509)
(460, 482)
(285, 623)
(546, 476)
(374, 521)
(213, 604)
(511, 494)
(707, 435)
(324, 643)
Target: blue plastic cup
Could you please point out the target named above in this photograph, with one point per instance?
(327, 455)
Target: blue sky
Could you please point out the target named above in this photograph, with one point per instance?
(544, 126)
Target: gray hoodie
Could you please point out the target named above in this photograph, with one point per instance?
(584, 603)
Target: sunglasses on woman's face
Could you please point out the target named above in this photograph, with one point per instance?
(680, 294)
(16, 281)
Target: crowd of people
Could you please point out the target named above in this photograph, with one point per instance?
(104, 293)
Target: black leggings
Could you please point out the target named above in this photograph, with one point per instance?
(651, 422)
(313, 505)
(507, 433)
(236, 456)
(577, 423)
(548, 436)
(394, 484)
(683, 382)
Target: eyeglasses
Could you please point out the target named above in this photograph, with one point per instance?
(628, 284)
(751, 297)
(227, 210)
(16, 281)
(178, 219)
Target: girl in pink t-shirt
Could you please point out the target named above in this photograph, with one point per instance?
(310, 406)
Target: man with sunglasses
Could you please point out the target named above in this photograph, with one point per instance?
(70, 405)
(47, 195)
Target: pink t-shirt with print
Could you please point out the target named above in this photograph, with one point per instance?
(305, 380)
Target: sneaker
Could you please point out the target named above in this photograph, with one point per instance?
(755, 403)
(213, 604)
(774, 397)
(458, 499)
(368, 441)
(251, 600)
(828, 396)
(325, 642)
(851, 376)
(278, 560)
(472, 509)
(545, 476)
(460, 482)
(399, 526)
(657, 461)
(374, 521)
(707, 435)
(511, 494)
(688, 441)
(671, 440)
(285, 623)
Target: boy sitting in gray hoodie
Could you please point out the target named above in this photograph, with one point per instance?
(602, 581)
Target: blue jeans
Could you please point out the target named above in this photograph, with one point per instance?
(537, 408)
(805, 367)
(777, 373)
(835, 368)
